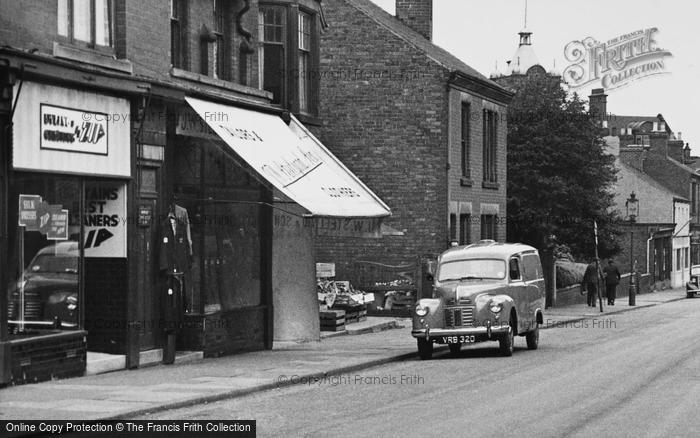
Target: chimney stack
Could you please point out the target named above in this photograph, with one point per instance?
(598, 102)
(417, 14)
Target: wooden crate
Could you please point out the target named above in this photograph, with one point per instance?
(332, 320)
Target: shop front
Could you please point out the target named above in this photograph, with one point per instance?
(252, 185)
(66, 247)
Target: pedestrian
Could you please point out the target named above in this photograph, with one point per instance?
(612, 279)
(590, 281)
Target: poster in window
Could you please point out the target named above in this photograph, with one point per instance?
(105, 220)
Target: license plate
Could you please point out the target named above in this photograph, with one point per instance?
(460, 339)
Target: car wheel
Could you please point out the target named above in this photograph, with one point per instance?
(454, 348)
(506, 342)
(533, 338)
(425, 349)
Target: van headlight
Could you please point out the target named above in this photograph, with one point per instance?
(421, 310)
(495, 306)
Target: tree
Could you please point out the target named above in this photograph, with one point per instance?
(559, 178)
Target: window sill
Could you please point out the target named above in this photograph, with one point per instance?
(93, 57)
(490, 185)
(466, 182)
(307, 119)
(226, 85)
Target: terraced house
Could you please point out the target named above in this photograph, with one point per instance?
(422, 128)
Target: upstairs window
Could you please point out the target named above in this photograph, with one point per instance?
(466, 171)
(288, 57)
(490, 139)
(178, 33)
(273, 35)
(220, 68)
(86, 21)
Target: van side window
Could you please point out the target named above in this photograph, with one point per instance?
(514, 269)
(532, 270)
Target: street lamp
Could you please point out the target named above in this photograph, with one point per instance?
(632, 205)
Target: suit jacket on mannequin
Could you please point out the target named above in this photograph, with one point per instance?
(175, 241)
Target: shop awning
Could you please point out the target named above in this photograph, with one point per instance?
(290, 158)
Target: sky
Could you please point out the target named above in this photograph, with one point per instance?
(484, 34)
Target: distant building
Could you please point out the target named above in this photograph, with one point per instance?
(524, 66)
(649, 145)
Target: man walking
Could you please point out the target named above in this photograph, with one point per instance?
(590, 282)
(612, 279)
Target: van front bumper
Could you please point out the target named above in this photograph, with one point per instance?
(481, 333)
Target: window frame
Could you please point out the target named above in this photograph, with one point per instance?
(465, 139)
(178, 42)
(490, 146)
(489, 229)
(69, 35)
(290, 96)
(464, 228)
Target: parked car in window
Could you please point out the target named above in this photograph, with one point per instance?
(482, 292)
(50, 286)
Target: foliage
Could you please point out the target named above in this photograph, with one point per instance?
(559, 177)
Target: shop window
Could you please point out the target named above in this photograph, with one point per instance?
(289, 74)
(464, 228)
(178, 33)
(490, 145)
(678, 259)
(466, 170)
(488, 226)
(89, 22)
(686, 258)
(44, 255)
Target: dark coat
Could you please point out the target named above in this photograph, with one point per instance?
(175, 244)
(590, 275)
(612, 274)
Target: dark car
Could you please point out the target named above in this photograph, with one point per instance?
(483, 292)
(692, 287)
(50, 290)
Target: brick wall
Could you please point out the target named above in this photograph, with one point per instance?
(384, 114)
(28, 24)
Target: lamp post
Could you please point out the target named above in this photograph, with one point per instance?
(632, 205)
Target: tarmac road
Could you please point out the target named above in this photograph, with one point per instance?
(633, 374)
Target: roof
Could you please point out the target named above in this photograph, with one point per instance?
(523, 59)
(648, 179)
(489, 249)
(634, 122)
(403, 31)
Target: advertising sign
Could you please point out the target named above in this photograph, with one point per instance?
(105, 220)
(28, 205)
(66, 129)
(58, 229)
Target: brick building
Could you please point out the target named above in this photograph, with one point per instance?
(424, 130)
(155, 156)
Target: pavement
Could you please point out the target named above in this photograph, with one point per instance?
(127, 394)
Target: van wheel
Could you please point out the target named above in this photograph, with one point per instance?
(533, 338)
(506, 342)
(425, 349)
(454, 348)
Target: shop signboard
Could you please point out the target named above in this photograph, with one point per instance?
(67, 129)
(64, 130)
(105, 220)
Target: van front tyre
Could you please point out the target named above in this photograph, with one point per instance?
(533, 338)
